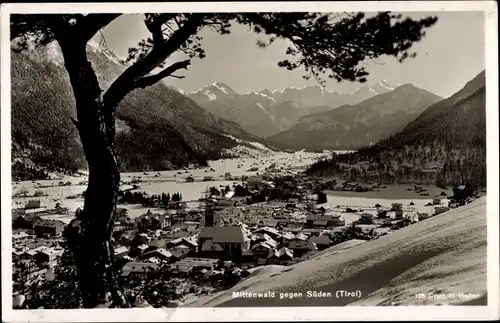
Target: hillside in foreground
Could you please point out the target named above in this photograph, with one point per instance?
(443, 254)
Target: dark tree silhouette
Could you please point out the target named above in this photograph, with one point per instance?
(321, 43)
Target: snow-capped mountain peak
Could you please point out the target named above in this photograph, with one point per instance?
(375, 88)
(210, 95)
(264, 95)
(96, 47)
(386, 85)
(384, 82)
(92, 43)
(217, 88)
(221, 87)
(177, 89)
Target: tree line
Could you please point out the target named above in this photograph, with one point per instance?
(143, 198)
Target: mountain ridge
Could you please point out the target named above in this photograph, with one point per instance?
(354, 126)
(444, 145)
(374, 85)
(265, 113)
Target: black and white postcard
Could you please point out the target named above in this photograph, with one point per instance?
(236, 161)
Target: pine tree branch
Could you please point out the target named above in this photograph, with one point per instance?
(127, 81)
(75, 28)
(153, 79)
(90, 24)
(154, 23)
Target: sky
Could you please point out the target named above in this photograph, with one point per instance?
(450, 55)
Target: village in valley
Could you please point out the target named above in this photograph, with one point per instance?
(199, 247)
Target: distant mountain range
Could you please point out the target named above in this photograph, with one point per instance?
(444, 145)
(265, 113)
(157, 127)
(355, 126)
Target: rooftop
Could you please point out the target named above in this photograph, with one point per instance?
(288, 235)
(280, 253)
(319, 217)
(49, 223)
(323, 240)
(138, 267)
(150, 216)
(20, 235)
(120, 250)
(260, 236)
(160, 251)
(268, 230)
(186, 264)
(190, 241)
(210, 246)
(270, 223)
(223, 234)
(301, 236)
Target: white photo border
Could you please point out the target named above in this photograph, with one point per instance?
(276, 313)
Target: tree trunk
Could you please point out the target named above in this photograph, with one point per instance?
(89, 236)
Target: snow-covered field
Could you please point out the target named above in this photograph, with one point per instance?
(439, 261)
(419, 205)
(236, 166)
(157, 182)
(174, 181)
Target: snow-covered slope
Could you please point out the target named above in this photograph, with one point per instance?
(442, 258)
(246, 149)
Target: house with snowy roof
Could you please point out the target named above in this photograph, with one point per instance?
(232, 240)
(272, 232)
(258, 237)
(285, 238)
(139, 269)
(157, 256)
(20, 236)
(34, 206)
(182, 247)
(271, 223)
(301, 247)
(323, 221)
(52, 228)
(25, 221)
(189, 265)
(121, 251)
(48, 256)
(262, 248)
(322, 241)
(152, 221)
(282, 256)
